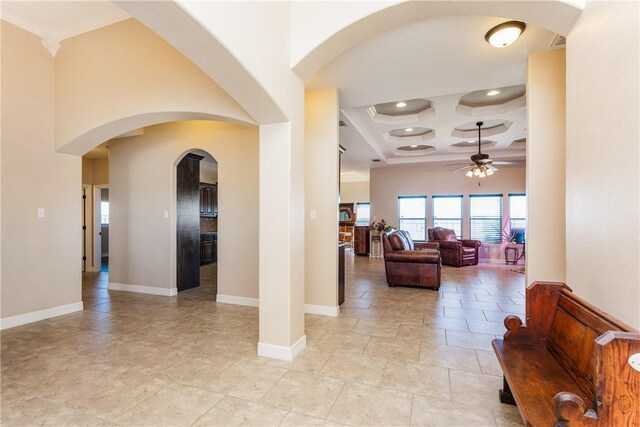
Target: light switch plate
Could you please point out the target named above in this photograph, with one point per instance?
(40, 212)
(312, 214)
(166, 214)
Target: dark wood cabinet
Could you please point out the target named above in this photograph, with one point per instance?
(341, 249)
(208, 248)
(208, 200)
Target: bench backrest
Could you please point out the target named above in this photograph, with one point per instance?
(571, 340)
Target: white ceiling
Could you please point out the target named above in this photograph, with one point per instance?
(58, 20)
(440, 60)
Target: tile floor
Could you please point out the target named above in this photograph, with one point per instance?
(394, 356)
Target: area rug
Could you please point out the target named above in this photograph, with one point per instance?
(518, 270)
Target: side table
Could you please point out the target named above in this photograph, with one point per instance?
(515, 255)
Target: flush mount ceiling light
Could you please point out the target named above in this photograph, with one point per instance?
(505, 34)
(408, 130)
(493, 92)
(401, 104)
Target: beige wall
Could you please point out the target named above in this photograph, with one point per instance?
(41, 260)
(546, 173)
(95, 171)
(603, 243)
(354, 192)
(389, 183)
(142, 188)
(123, 77)
(321, 197)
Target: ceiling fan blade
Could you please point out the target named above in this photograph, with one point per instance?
(493, 168)
(515, 163)
(485, 161)
(462, 168)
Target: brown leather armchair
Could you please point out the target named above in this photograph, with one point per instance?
(409, 263)
(454, 252)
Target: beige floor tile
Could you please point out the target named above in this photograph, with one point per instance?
(437, 412)
(294, 419)
(483, 327)
(422, 333)
(507, 416)
(36, 411)
(174, 405)
(417, 378)
(361, 404)
(196, 371)
(308, 394)
(378, 328)
(344, 341)
(475, 341)
(449, 357)
(475, 389)
(336, 324)
(451, 323)
(489, 363)
(366, 369)
(232, 411)
(245, 379)
(394, 349)
(312, 359)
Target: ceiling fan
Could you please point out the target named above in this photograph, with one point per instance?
(482, 164)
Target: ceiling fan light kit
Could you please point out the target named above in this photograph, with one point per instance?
(482, 163)
(505, 34)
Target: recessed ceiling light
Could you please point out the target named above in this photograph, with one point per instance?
(401, 104)
(493, 92)
(408, 130)
(471, 141)
(505, 34)
(413, 146)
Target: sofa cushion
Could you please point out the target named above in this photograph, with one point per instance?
(398, 243)
(445, 234)
(468, 251)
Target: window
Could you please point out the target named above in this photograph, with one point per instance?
(104, 212)
(413, 216)
(518, 214)
(363, 212)
(485, 217)
(447, 213)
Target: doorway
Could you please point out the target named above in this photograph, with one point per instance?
(104, 229)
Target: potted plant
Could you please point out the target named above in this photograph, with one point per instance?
(378, 227)
(509, 237)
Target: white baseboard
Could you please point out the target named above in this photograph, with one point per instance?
(324, 310)
(282, 352)
(34, 316)
(167, 292)
(231, 299)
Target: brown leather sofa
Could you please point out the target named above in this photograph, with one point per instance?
(454, 252)
(408, 263)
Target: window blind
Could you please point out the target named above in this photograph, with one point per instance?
(412, 215)
(485, 217)
(447, 213)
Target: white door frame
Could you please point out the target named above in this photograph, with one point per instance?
(88, 222)
(97, 238)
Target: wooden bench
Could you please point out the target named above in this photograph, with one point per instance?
(569, 365)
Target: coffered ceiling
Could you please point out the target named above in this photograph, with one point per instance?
(445, 72)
